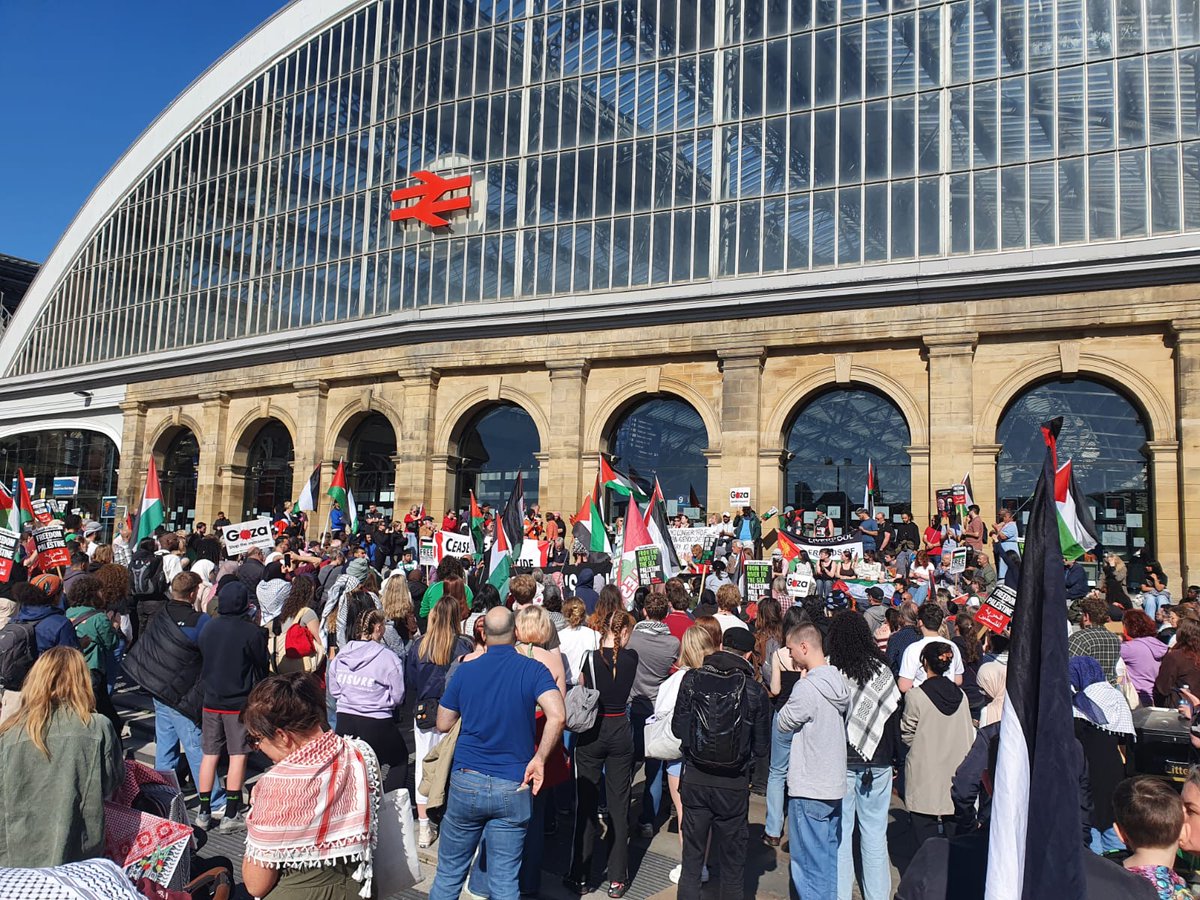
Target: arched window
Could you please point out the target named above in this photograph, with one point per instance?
(65, 454)
(830, 442)
(1104, 435)
(663, 437)
(178, 478)
(269, 472)
(371, 465)
(498, 442)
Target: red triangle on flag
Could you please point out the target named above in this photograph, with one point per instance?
(635, 535)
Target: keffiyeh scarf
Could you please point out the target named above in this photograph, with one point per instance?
(318, 807)
(871, 705)
(1097, 701)
(92, 879)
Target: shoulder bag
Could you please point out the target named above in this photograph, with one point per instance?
(583, 703)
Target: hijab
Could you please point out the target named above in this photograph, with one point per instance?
(991, 679)
(204, 568)
(1097, 701)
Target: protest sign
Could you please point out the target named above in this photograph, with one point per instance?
(245, 536)
(685, 538)
(997, 610)
(739, 496)
(43, 510)
(8, 552)
(451, 543)
(758, 579)
(427, 553)
(799, 584)
(51, 547)
(108, 507)
(650, 565)
(958, 561)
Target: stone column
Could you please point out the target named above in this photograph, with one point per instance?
(443, 470)
(310, 442)
(919, 458)
(415, 472)
(951, 413)
(741, 407)
(983, 479)
(716, 495)
(1164, 479)
(1187, 390)
(233, 490)
(214, 425)
(133, 455)
(561, 479)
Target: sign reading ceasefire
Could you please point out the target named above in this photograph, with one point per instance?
(431, 198)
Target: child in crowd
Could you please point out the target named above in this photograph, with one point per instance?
(1149, 819)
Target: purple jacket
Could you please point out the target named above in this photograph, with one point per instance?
(366, 679)
(1142, 658)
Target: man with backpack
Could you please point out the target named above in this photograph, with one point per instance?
(38, 626)
(722, 721)
(166, 663)
(148, 584)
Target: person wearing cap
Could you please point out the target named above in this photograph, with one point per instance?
(234, 659)
(876, 611)
(89, 538)
(717, 578)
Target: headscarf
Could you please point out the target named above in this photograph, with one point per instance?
(991, 679)
(1096, 700)
(204, 568)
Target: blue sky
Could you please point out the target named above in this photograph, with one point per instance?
(79, 81)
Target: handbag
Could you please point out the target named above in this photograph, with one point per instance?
(395, 866)
(583, 703)
(1125, 685)
(425, 714)
(661, 742)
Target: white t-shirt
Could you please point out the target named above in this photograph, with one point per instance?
(574, 644)
(910, 663)
(728, 621)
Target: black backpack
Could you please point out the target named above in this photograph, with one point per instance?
(719, 736)
(146, 576)
(18, 652)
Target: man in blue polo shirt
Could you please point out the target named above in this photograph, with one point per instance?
(496, 767)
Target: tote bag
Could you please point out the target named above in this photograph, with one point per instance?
(396, 866)
(661, 742)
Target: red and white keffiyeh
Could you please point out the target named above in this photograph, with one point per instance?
(318, 807)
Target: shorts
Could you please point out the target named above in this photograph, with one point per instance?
(222, 732)
(675, 768)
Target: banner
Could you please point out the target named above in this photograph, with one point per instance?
(245, 536)
(835, 545)
(51, 548)
(739, 496)
(686, 538)
(997, 610)
(427, 553)
(958, 561)
(758, 580)
(650, 565)
(43, 510)
(534, 553)
(451, 543)
(8, 552)
(65, 486)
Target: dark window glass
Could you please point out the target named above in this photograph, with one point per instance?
(662, 437)
(500, 441)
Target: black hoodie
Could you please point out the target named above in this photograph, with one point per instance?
(945, 694)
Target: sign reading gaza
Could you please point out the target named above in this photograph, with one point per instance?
(245, 536)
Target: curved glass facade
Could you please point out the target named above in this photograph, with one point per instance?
(662, 437)
(627, 143)
(500, 441)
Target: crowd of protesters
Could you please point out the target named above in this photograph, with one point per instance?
(555, 692)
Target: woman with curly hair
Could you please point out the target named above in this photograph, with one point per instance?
(1142, 652)
(870, 733)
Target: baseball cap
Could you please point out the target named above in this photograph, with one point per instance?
(50, 585)
(739, 640)
(92, 527)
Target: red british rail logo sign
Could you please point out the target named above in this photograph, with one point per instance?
(431, 198)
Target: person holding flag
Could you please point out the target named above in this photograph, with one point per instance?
(344, 515)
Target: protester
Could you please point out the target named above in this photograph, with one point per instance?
(37, 627)
(425, 667)
(722, 719)
(1104, 728)
(148, 583)
(494, 758)
(1179, 667)
(295, 633)
(912, 672)
(312, 831)
(936, 726)
(1094, 640)
(97, 639)
(678, 621)
(657, 651)
(234, 658)
(577, 639)
(61, 761)
(1142, 652)
(781, 679)
(729, 601)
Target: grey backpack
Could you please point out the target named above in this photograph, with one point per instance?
(583, 703)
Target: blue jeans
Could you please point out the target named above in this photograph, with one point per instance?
(1105, 841)
(781, 754)
(652, 792)
(530, 878)
(870, 805)
(1153, 600)
(920, 591)
(477, 802)
(815, 832)
(172, 728)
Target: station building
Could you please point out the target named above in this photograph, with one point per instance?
(734, 243)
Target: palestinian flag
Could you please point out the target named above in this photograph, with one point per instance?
(308, 496)
(1076, 529)
(693, 498)
(342, 496)
(869, 490)
(534, 553)
(8, 511)
(1034, 846)
(476, 524)
(968, 499)
(152, 514)
(618, 483)
(633, 535)
(512, 520)
(588, 531)
(660, 533)
(24, 513)
(786, 546)
(499, 564)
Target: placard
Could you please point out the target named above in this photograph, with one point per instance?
(958, 561)
(685, 538)
(51, 548)
(427, 553)
(245, 536)
(799, 584)
(451, 543)
(997, 610)
(649, 565)
(739, 496)
(43, 510)
(108, 507)
(758, 579)
(65, 486)
(8, 552)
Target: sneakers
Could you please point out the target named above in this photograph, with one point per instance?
(426, 834)
(234, 825)
(204, 820)
(676, 872)
(617, 889)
